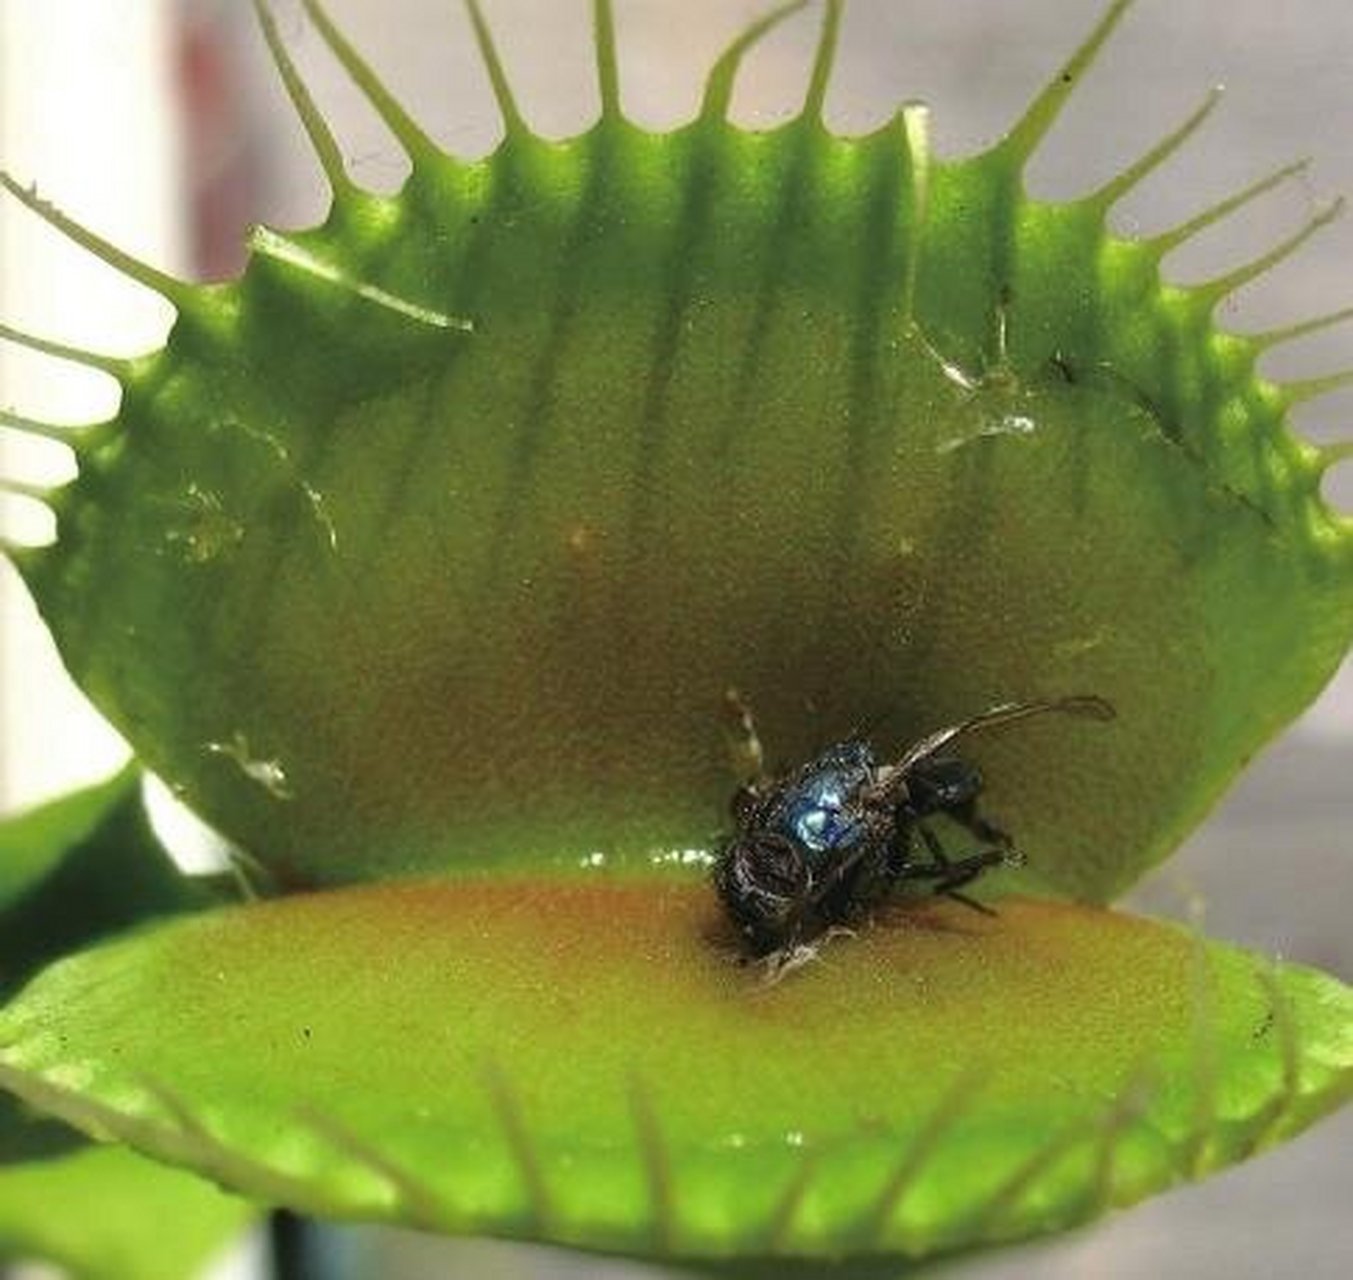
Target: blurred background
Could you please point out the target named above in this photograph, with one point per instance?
(160, 124)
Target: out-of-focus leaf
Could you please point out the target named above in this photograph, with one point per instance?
(104, 1212)
(32, 844)
(82, 867)
(78, 868)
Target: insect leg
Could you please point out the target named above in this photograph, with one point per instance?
(949, 876)
(966, 816)
(940, 862)
(964, 872)
(950, 873)
(836, 875)
(971, 903)
(938, 857)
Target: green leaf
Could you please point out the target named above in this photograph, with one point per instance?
(435, 540)
(75, 869)
(82, 867)
(104, 1213)
(584, 1061)
(34, 843)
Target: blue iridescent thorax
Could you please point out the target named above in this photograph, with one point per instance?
(819, 809)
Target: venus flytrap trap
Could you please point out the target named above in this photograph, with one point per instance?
(424, 553)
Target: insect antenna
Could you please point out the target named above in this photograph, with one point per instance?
(745, 752)
(1086, 705)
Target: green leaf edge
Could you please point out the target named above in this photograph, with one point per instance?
(73, 869)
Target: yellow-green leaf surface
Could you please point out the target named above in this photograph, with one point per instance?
(587, 1064)
(78, 868)
(103, 1212)
(436, 539)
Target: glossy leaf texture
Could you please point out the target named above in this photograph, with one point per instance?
(587, 1065)
(435, 541)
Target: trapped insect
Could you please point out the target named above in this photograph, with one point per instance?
(812, 849)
